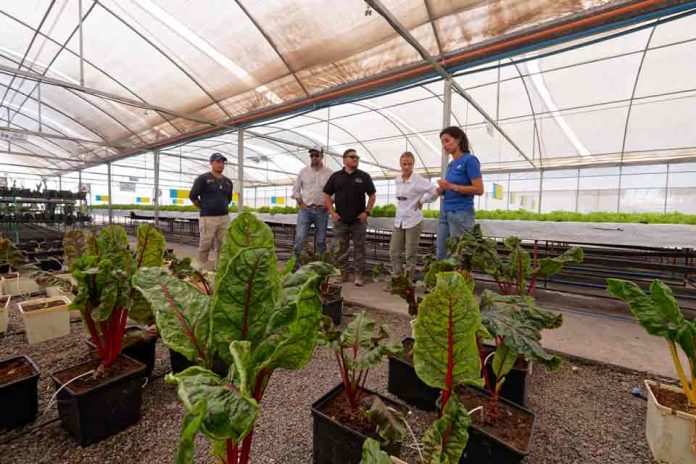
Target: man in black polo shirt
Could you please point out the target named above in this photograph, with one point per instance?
(212, 193)
(349, 187)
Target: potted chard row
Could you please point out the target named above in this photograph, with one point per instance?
(506, 345)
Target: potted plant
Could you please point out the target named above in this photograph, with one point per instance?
(373, 454)
(13, 283)
(45, 318)
(4, 310)
(258, 319)
(101, 397)
(347, 415)
(19, 378)
(402, 380)
(332, 301)
(670, 420)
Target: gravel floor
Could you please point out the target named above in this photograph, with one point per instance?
(585, 413)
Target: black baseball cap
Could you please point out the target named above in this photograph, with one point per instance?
(217, 157)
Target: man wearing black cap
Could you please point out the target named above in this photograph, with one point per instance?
(309, 194)
(212, 193)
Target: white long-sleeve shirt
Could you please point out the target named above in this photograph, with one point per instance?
(408, 194)
(309, 185)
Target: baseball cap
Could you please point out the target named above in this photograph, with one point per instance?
(217, 156)
(317, 149)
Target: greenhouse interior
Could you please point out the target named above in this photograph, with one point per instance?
(358, 232)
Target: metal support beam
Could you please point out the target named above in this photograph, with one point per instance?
(60, 182)
(664, 209)
(82, 60)
(577, 191)
(32, 76)
(155, 194)
(108, 188)
(408, 37)
(446, 122)
(240, 169)
(46, 135)
(541, 189)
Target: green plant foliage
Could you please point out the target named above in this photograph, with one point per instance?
(504, 215)
(446, 438)
(372, 454)
(358, 348)
(403, 286)
(259, 320)
(445, 354)
(388, 422)
(77, 243)
(150, 248)
(659, 314)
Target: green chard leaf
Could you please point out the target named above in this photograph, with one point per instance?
(372, 454)
(446, 438)
(150, 248)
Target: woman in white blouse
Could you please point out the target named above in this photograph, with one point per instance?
(412, 190)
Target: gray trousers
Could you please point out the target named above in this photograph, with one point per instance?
(404, 241)
(344, 233)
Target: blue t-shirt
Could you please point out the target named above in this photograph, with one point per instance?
(461, 171)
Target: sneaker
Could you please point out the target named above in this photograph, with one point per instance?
(359, 281)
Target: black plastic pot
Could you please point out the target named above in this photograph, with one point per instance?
(516, 386)
(140, 348)
(335, 443)
(483, 447)
(19, 399)
(404, 383)
(179, 363)
(334, 309)
(50, 265)
(103, 410)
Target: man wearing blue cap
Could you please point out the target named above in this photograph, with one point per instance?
(212, 193)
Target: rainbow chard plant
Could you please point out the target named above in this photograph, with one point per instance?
(258, 319)
(515, 324)
(445, 356)
(659, 314)
(517, 274)
(104, 292)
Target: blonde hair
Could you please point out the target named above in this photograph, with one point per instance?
(407, 154)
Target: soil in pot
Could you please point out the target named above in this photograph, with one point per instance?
(46, 305)
(10, 275)
(19, 379)
(92, 409)
(339, 431)
(14, 370)
(671, 399)
(514, 426)
(119, 368)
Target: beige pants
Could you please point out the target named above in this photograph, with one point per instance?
(212, 230)
(404, 241)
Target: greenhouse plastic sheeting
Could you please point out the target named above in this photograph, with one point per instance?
(154, 72)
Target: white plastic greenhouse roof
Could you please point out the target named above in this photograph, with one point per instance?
(180, 76)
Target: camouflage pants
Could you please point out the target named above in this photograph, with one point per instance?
(344, 233)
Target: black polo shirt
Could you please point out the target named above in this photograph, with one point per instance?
(349, 192)
(214, 194)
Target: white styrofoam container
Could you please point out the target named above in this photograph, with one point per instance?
(57, 291)
(671, 434)
(4, 310)
(46, 324)
(19, 285)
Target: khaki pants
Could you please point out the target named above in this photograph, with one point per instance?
(404, 240)
(212, 230)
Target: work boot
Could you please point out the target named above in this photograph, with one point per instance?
(359, 280)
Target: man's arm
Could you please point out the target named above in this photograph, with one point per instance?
(372, 192)
(195, 192)
(328, 201)
(297, 191)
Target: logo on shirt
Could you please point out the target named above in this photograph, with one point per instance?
(460, 167)
(358, 180)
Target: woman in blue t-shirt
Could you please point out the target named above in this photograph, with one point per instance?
(462, 182)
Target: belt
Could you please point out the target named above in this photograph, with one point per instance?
(316, 206)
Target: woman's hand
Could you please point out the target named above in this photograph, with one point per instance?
(444, 184)
(440, 191)
(419, 205)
